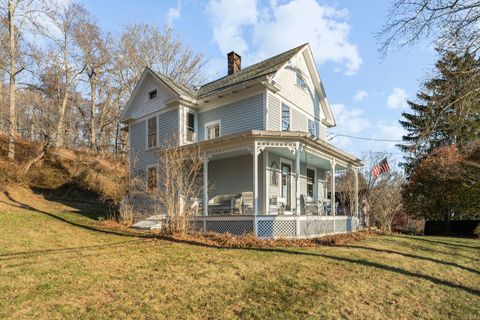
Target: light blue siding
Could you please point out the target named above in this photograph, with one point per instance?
(140, 156)
(167, 126)
(273, 111)
(299, 120)
(246, 114)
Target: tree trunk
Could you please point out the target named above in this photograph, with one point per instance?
(12, 116)
(93, 95)
(63, 107)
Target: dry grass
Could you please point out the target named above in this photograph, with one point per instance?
(104, 175)
(57, 261)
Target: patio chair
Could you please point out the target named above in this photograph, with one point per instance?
(222, 203)
(247, 202)
(309, 205)
(279, 203)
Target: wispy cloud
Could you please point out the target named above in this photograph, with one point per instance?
(360, 95)
(397, 99)
(264, 30)
(349, 122)
(174, 13)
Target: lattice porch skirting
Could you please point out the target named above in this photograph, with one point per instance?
(271, 227)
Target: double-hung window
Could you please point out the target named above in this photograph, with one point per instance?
(285, 117)
(310, 182)
(190, 127)
(152, 132)
(212, 130)
(312, 129)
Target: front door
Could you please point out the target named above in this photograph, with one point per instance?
(286, 184)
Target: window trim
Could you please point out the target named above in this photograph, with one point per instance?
(315, 178)
(146, 133)
(314, 127)
(153, 91)
(209, 124)
(147, 168)
(300, 77)
(289, 116)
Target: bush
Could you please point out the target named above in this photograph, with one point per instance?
(476, 232)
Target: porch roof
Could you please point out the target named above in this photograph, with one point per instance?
(284, 136)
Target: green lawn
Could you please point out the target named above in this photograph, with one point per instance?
(56, 262)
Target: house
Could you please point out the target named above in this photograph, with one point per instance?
(263, 131)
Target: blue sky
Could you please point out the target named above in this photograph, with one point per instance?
(367, 93)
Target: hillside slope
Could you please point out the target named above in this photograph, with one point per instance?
(63, 171)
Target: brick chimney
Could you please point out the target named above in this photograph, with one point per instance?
(234, 62)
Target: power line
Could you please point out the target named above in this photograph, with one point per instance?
(363, 138)
(374, 152)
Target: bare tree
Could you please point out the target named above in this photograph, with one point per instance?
(144, 45)
(345, 186)
(65, 19)
(173, 189)
(19, 16)
(386, 199)
(451, 24)
(382, 195)
(96, 54)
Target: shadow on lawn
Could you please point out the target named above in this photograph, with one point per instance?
(21, 205)
(413, 256)
(427, 247)
(25, 254)
(445, 243)
(361, 262)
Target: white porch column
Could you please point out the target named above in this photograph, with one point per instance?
(205, 185)
(297, 178)
(332, 197)
(356, 193)
(255, 186)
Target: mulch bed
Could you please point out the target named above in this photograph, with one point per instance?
(249, 241)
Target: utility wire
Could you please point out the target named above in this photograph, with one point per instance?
(362, 138)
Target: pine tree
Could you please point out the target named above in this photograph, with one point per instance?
(447, 110)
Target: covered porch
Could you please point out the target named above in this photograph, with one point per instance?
(274, 184)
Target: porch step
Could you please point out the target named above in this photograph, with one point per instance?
(147, 225)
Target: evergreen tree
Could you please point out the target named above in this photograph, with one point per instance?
(446, 112)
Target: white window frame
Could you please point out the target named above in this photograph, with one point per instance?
(146, 132)
(315, 178)
(292, 181)
(302, 78)
(212, 123)
(183, 124)
(289, 116)
(147, 168)
(314, 127)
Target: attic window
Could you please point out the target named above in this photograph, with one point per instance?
(300, 81)
(152, 94)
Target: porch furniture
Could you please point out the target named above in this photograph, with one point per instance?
(223, 203)
(310, 206)
(327, 207)
(247, 202)
(279, 203)
(195, 204)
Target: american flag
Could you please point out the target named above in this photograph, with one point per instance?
(380, 168)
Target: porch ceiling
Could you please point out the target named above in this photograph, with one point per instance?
(229, 154)
(305, 158)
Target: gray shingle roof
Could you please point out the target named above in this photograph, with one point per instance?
(260, 69)
(255, 71)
